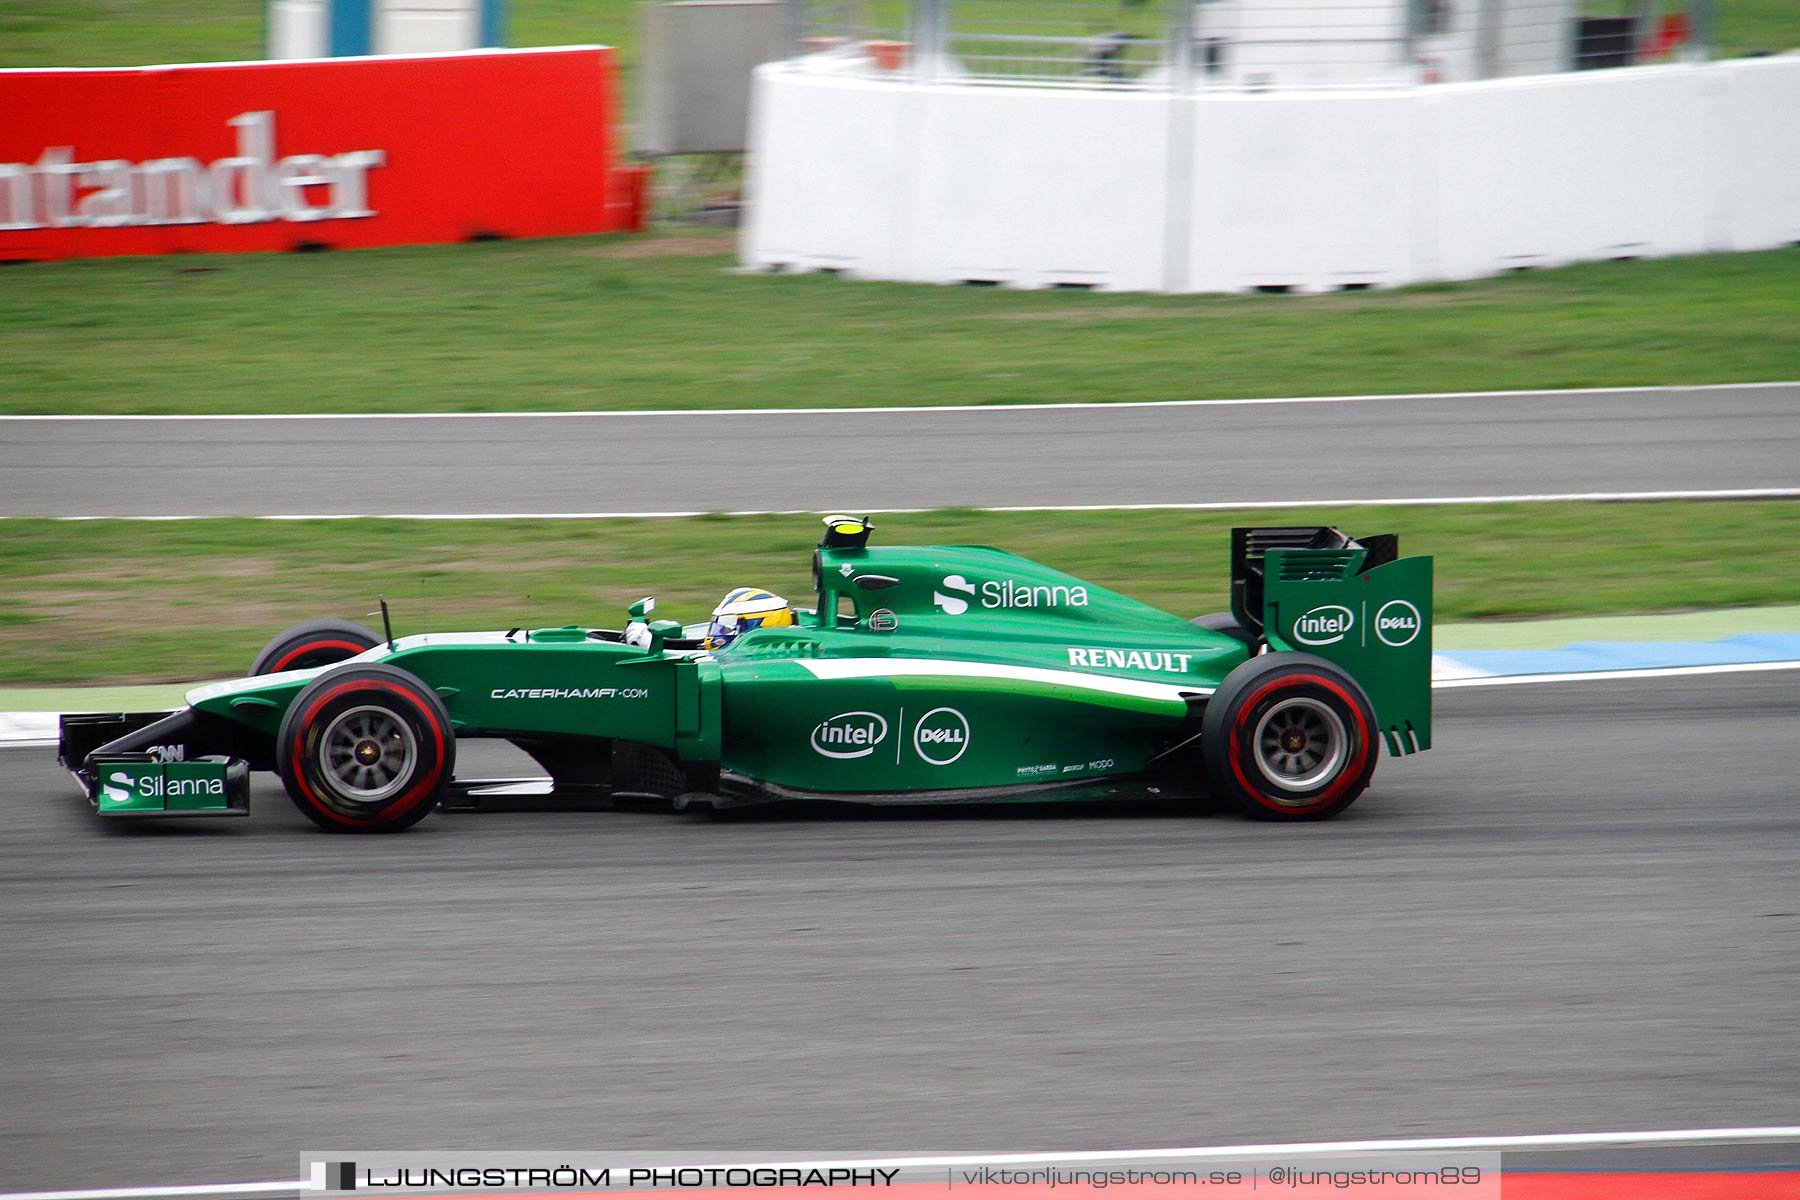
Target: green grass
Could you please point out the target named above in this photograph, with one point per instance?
(613, 322)
(1756, 26)
(125, 602)
(1741, 26)
(110, 33)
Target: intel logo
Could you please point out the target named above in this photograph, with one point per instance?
(1323, 625)
(849, 735)
(1397, 623)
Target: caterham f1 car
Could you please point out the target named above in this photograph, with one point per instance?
(924, 675)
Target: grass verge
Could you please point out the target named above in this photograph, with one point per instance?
(616, 322)
(123, 33)
(129, 602)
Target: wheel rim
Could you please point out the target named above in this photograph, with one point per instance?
(368, 753)
(1300, 744)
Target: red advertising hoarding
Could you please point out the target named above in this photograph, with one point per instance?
(338, 153)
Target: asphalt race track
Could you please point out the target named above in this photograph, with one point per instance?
(1581, 912)
(1624, 441)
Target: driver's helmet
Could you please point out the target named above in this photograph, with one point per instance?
(744, 609)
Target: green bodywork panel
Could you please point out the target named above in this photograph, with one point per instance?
(956, 667)
(921, 669)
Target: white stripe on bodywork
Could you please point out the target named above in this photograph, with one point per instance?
(376, 653)
(888, 668)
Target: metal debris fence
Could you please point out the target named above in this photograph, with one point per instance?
(1180, 45)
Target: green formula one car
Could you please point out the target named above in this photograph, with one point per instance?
(940, 674)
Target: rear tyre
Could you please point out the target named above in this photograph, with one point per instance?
(313, 644)
(1289, 737)
(366, 749)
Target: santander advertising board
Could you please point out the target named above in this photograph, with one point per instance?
(249, 186)
(347, 152)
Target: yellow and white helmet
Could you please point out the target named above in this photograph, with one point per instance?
(744, 609)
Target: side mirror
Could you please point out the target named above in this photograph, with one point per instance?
(660, 632)
(642, 608)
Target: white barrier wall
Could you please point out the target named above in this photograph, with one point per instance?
(832, 174)
(1757, 154)
(1594, 165)
(1009, 187)
(1308, 191)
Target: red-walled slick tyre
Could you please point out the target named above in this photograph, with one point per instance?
(365, 749)
(1289, 737)
(313, 644)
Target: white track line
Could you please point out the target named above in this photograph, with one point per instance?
(1603, 676)
(1550, 1141)
(196, 1189)
(899, 408)
(1768, 493)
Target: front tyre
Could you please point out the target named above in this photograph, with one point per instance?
(366, 749)
(313, 644)
(1289, 737)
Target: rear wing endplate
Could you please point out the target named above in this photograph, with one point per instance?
(1352, 601)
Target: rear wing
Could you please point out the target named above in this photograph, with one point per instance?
(1352, 601)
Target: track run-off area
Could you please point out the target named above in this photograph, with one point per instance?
(1729, 440)
(1578, 912)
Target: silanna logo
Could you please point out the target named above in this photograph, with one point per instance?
(118, 788)
(941, 736)
(849, 735)
(1398, 623)
(1324, 625)
(957, 593)
(958, 604)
